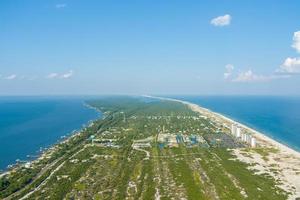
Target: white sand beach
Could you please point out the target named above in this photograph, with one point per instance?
(278, 161)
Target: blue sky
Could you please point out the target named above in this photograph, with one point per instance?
(149, 47)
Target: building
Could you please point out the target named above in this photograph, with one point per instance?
(27, 165)
(233, 129)
(238, 132)
(244, 137)
(253, 142)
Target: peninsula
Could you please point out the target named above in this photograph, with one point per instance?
(158, 148)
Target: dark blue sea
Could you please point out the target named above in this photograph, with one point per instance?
(28, 123)
(276, 117)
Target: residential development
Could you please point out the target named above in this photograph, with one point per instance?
(147, 150)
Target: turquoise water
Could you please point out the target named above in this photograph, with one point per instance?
(28, 123)
(277, 117)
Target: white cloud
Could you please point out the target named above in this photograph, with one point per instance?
(228, 71)
(249, 76)
(19, 77)
(290, 66)
(296, 41)
(10, 77)
(68, 75)
(60, 6)
(52, 75)
(221, 20)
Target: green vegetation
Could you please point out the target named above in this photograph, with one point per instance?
(264, 152)
(142, 149)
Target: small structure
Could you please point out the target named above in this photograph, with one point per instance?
(141, 145)
(27, 165)
(91, 138)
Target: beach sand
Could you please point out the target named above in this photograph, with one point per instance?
(278, 160)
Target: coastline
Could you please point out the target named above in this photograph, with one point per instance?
(259, 131)
(62, 139)
(256, 133)
(280, 162)
(60, 164)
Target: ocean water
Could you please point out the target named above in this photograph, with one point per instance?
(28, 123)
(276, 117)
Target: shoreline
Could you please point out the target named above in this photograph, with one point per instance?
(63, 138)
(256, 133)
(284, 160)
(278, 167)
(266, 134)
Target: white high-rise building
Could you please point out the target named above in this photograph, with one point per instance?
(238, 132)
(244, 137)
(248, 138)
(233, 129)
(253, 142)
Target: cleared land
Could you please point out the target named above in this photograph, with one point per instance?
(144, 150)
